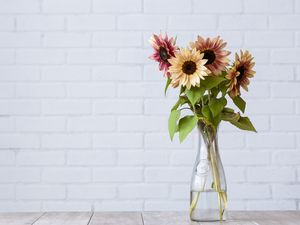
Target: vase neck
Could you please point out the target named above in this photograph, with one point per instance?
(208, 136)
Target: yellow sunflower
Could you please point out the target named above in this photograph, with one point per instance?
(239, 74)
(187, 68)
(213, 50)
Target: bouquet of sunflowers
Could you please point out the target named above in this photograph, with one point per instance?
(206, 80)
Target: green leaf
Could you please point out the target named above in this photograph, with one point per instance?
(173, 118)
(244, 123)
(194, 94)
(240, 103)
(230, 116)
(216, 105)
(227, 109)
(167, 84)
(186, 125)
(210, 82)
(206, 112)
(179, 102)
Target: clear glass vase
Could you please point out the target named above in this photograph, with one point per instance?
(208, 198)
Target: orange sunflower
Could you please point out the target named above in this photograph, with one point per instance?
(213, 50)
(240, 73)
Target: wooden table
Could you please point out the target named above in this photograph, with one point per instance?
(145, 218)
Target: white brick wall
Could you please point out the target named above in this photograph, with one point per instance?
(83, 118)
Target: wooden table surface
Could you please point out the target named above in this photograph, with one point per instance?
(145, 218)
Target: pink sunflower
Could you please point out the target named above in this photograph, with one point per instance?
(164, 49)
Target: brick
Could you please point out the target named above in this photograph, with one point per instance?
(271, 174)
(40, 158)
(65, 73)
(7, 91)
(180, 192)
(234, 174)
(66, 175)
(95, 123)
(117, 39)
(84, 158)
(7, 56)
(91, 56)
(40, 90)
(297, 6)
(291, 56)
(269, 6)
(162, 141)
(158, 106)
(140, 158)
(143, 191)
(133, 56)
(7, 191)
(20, 206)
(118, 140)
(66, 205)
(22, 141)
(267, 205)
(6, 23)
(39, 23)
(151, 73)
(286, 90)
(275, 106)
(40, 124)
(141, 22)
(269, 39)
(164, 174)
(19, 6)
(60, 141)
(262, 55)
(274, 72)
(7, 157)
(38, 192)
(183, 158)
(89, 90)
(91, 192)
(285, 123)
(188, 22)
(13, 39)
(66, 107)
(117, 73)
(258, 90)
(118, 174)
(286, 157)
(167, 6)
(270, 140)
(285, 191)
(66, 6)
(19, 175)
(249, 191)
(166, 205)
(40, 56)
(115, 6)
(284, 22)
(231, 141)
(119, 205)
(66, 40)
(91, 22)
(245, 158)
(19, 73)
(243, 22)
(142, 123)
(215, 6)
(19, 107)
(118, 107)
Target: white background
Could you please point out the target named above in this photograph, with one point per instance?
(83, 117)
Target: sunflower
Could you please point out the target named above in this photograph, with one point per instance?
(187, 68)
(164, 49)
(214, 53)
(240, 73)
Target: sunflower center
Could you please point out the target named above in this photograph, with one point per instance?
(189, 67)
(163, 54)
(241, 70)
(209, 55)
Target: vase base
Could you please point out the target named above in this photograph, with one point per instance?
(207, 215)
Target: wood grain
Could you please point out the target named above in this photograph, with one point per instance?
(116, 218)
(19, 218)
(64, 218)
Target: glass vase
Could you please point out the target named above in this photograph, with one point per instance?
(208, 197)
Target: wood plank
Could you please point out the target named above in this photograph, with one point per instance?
(19, 218)
(116, 218)
(167, 218)
(65, 218)
(275, 217)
